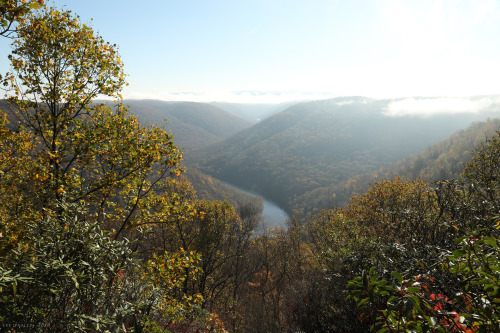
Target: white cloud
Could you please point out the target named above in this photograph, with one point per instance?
(441, 105)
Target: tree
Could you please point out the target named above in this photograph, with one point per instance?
(74, 267)
(222, 238)
(74, 277)
(459, 292)
(69, 278)
(396, 225)
(84, 151)
(12, 10)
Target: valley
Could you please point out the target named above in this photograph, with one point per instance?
(311, 155)
(273, 216)
(260, 166)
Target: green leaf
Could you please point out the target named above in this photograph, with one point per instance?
(458, 253)
(362, 302)
(413, 290)
(491, 242)
(397, 276)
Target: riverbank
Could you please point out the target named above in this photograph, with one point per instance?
(273, 215)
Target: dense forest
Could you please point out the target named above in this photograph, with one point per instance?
(194, 124)
(442, 160)
(321, 144)
(213, 189)
(103, 229)
(252, 112)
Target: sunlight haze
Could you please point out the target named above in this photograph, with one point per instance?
(273, 51)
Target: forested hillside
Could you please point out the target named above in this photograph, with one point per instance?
(424, 257)
(319, 144)
(252, 112)
(195, 125)
(442, 160)
(192, 124)
(210, 188)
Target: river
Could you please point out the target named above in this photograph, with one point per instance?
(273, 215)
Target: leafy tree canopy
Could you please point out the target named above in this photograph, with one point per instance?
(80, 151)
(13, 10)
(76, 178)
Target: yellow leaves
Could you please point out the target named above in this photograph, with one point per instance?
(128, 157)
(81, 50)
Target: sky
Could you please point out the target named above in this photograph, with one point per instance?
(270, 51)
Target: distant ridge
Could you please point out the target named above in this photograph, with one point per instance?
(317, 144)
(192, 124)
(252, 112)
(442, 160)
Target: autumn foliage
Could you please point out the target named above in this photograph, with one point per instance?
(99, 231)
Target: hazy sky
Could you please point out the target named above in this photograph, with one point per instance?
(270, 50)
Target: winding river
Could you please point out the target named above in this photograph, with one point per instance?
(273, 215)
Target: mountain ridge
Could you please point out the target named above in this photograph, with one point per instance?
(320, 143)
(193, 124)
